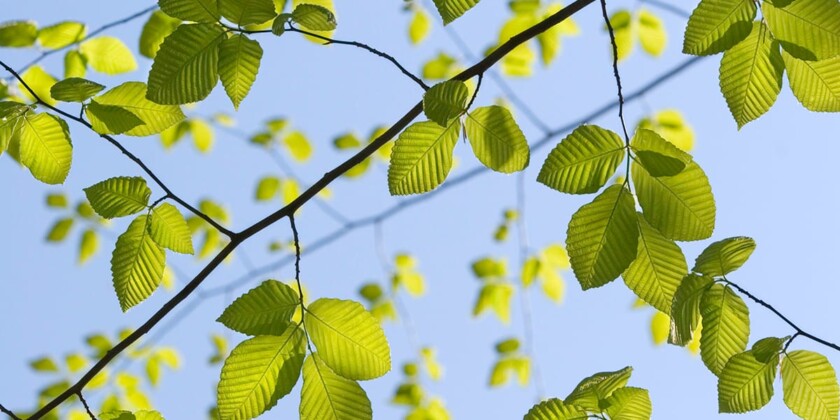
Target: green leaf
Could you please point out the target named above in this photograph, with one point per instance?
(816, 84)
(40, 82)
(453, 9)
(239, 62)
(685, 309)
(489, 268)
(265, 310)
(18, 33)
(726, 326)
(602, 238)
(583, 161)
(592, 390)
(420, 26)
(186, 66)
(247, 12)
(11, 114)
(120, 196)
(497, 140)
(745, 383)
(259, 372)
(75, 64)
(555, 409)
(328, 396)
(267, 188)
(658, 268)
(55, 200)
(61, 34)
(724, 257)
(751, 75)
(88, 245)
(191, 10)
(298, 145)
(682, 206)
(810, 385)
(156, 29)
(60, 229)
(629, 404)
(349, 339)
(131, 96)
(169, 229)
(808, 30)
(45, 147)
(314, 17)
(44, 364)
(111, 119)
(202, 134)
(717, 25)
(445, 101)
(108, 55)
(652, 33)
(659, 156)
(671, 125)
(495, 297)
(768, 347)
(75, 89)
(422, 157)
(137, 264)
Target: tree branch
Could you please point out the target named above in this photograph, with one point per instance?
(9, 413)
(85, 404)
(667, 7)
(615, 71)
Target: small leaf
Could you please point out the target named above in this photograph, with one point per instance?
(45, 147)
(186, 66)
(717, 25)
(75, 64)
(497, 140)
(420, 25)
(583, 161)
(298, 146)
(61, 34)
(453, 9)
(247, 12)
(88, 245)
(192, 10)
(267, 188)
(657, 155)
(724, 257)
(108, 55)
(265, 310)
(239, 62)
(422, 157)
(767, 348)
(327, 396)
(111, 119)
(169, 229)
(314, 17)
(18, 33)
(60, 229)
(816, 84)
(685, 309)
(726, 326)
(131, 96)
(629, 403)
(75, 89)
(445, 101)
(592, 390)
(137, 264)
(745, 383)
(810, 385)
(120, 196)
(495, 297)
(44, 364)
(156, 29)
(808, 30)
(555, 409)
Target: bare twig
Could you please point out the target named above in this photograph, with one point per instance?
(9, 413)
(615, 70)
(84, 403)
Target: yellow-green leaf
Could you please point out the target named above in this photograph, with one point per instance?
(583, 161)
(75, 89)
(239, 62)
(746, 384)
(810, 385)
(724, 257)
(298, 146)
(169, 229)
(592, 390)
(652, 33)
(685, 309)
(45, 147)
(265, 310)
(40, 82)
(18, 33)
(327, 396)
(422, 157)
(192, 10)
(120, 196)
(717, 25)
(88, 245)
(111, 119)
(657, 155)
(808, 30)
(555, 409)
(136, 264)
(816, 84)
(247, 12)
(131, 96)
(726, 326)
(61, 34)
(60, 229)
(420, 25)
(658, 268)
(453, 9)
(445, 101)
(156, 29)
(629, 403)
(186, 66)
(494, 297)
(108, 55)
(497, 140)
(75, 64)
(314, 17)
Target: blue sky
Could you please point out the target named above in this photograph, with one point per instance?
(772, 181)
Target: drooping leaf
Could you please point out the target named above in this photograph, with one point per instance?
(349, 339)
(329, 396)
(40, 82)
(421, 24)
(131, 96)
(75, 89)
(816, 84)
(658, 268)
(768, 347)
(120, 196)
(239, 62)
(808, 30)
(591, 391)
(497, 140)
(61, 34)
(717, 25)
(314, 17)
(657, 155)
(111, 119)
(453, 9)
(726, 326)
(45, 147)
(18, 33)
(186, 66)
(108, 55)
(583, 161)
(652, 33)
(629, 403)
(555, 409)
(247, 12)
(745, 384)
(137, 264)
(810, 385)
(685, 309)
(445, 101)
(192, 10)
(259, 372)
(169, 229)
(724, 257)
(156, 29)
(422, 157)
(602, 237)
(265, 310)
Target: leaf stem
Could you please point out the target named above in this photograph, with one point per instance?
(615, 71)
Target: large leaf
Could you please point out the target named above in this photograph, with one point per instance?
(445, 101)
(658, 268)
(186, 66)
(746, 384)
(74, 89)
(682, 206)
(724, 257)
(751, 75)
(265, 310)
(108, 55)
(259, 372)
(137, 264)
(629, 403)
(120, 196)
(659, 156)
(349, 339)
(717, 25)
(816, 84)
(685, 309)
(131, 96)
(191, 10)
(328, 396)
(422, 157)
(247, 12)
(807, 29)
(810, 385)
(583, 161)
(497, 140)
(111, 119)
(45, 147)
(156, 29)
(453, 9)
(555, 409)
(591, 391)
(726, 326)
(602, 237)
(239, 62)
(169, 229)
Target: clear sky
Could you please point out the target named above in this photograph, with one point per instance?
(772, 181)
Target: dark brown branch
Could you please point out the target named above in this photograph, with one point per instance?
(9, 413)
(85, 404)
(615, 70)
(124, 151)
(475, 93)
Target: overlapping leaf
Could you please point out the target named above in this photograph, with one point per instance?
(156, 29)
(556, 409)
(629, 403)
(422, 157)
(445, 101)
(453, 9)
(45, 147)
(659, 156)
(685, 309)
(192, 10)
(724, 257)
(746, 384)
(328, 396)
(658, 268)
(816, 84)
(717, 25)
(239, 63)
(726, 326)
(808, 30)
(169, 229)
(583, 161)
(75, 89)
(497, 140)
(591, 391)
(186, 66)
(137, 264)
(120, 196)
(111, 119)
(810, 385)
(264, 310)
(247, 12)
(131, 96)
(314, 17)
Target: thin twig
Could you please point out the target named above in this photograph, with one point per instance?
(296, 237)
(84, 403)
(668, 7)
(615, 70)
(402, 310)
(8, 412)
(475, 93)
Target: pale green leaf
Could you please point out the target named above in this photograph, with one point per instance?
(45, 147)
(247, 12)
(717, 25)
(74, 89)
(186, 66)
(59, 230)
(88, 245)
(108, 55)
(629, 403)
(239, 62)
(685, 309)
(751, 75)
(137, 264)
(61, 34)
(453, 9)
(11, 120)
(349, 339)
(652, 33)
(495, 297)
(810, 385)
(120, 196)
(422, 157)
(583, 161)
(265, 310)
(326, 4)
(75, 64)
(55, 200)
(602, 238)
(259, 372)
(657, 155)
(111, 119)
(592, 390)
(314, 17)
(169, 229)
(44, 364)
(40, 82)
(191, 10)
(816, 84)
(298, 145)
(267, 188)
(807, 29)
(489, 268)
(446, 101)
(420, 26)
(497, 140)
(156, 29)
(724, 257)
(439, 67)
(671, 125)
(658, 268)
(745, 383)
(555, 409)
(726, 326)
(18, 33)
(327, 396)
(202, 134)
(131, 96)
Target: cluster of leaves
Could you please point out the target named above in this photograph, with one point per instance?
(406, 276)
(511, 361)
(81, 214)
(412, 394)
(642, 26)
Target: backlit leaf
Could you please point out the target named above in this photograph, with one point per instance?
(169, 229)
(239, 62)
(583, 161)
(75, 89)
(111, 119)
(652, 33)
(247, 12)
(108, 55)
(685, 309)
(745, 383)
(61, 34)
(592, 390)
(810, 385)
(422, 157)
(328, 396)
(132, 97)
(453, 9)
(726, 326)
(191, 10)
(45, 147)
(186, 66)
(18, 33)
(717, 25)
(497, 140)
(314, 17)
(629, 403)
(816, 84)
(658, 268)
(808, 30)
(445, 101)
(120, 196)
(657, 155)
(724, 257)
(137, 264)
(555, 409)
(264, 310)
(156, 29)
